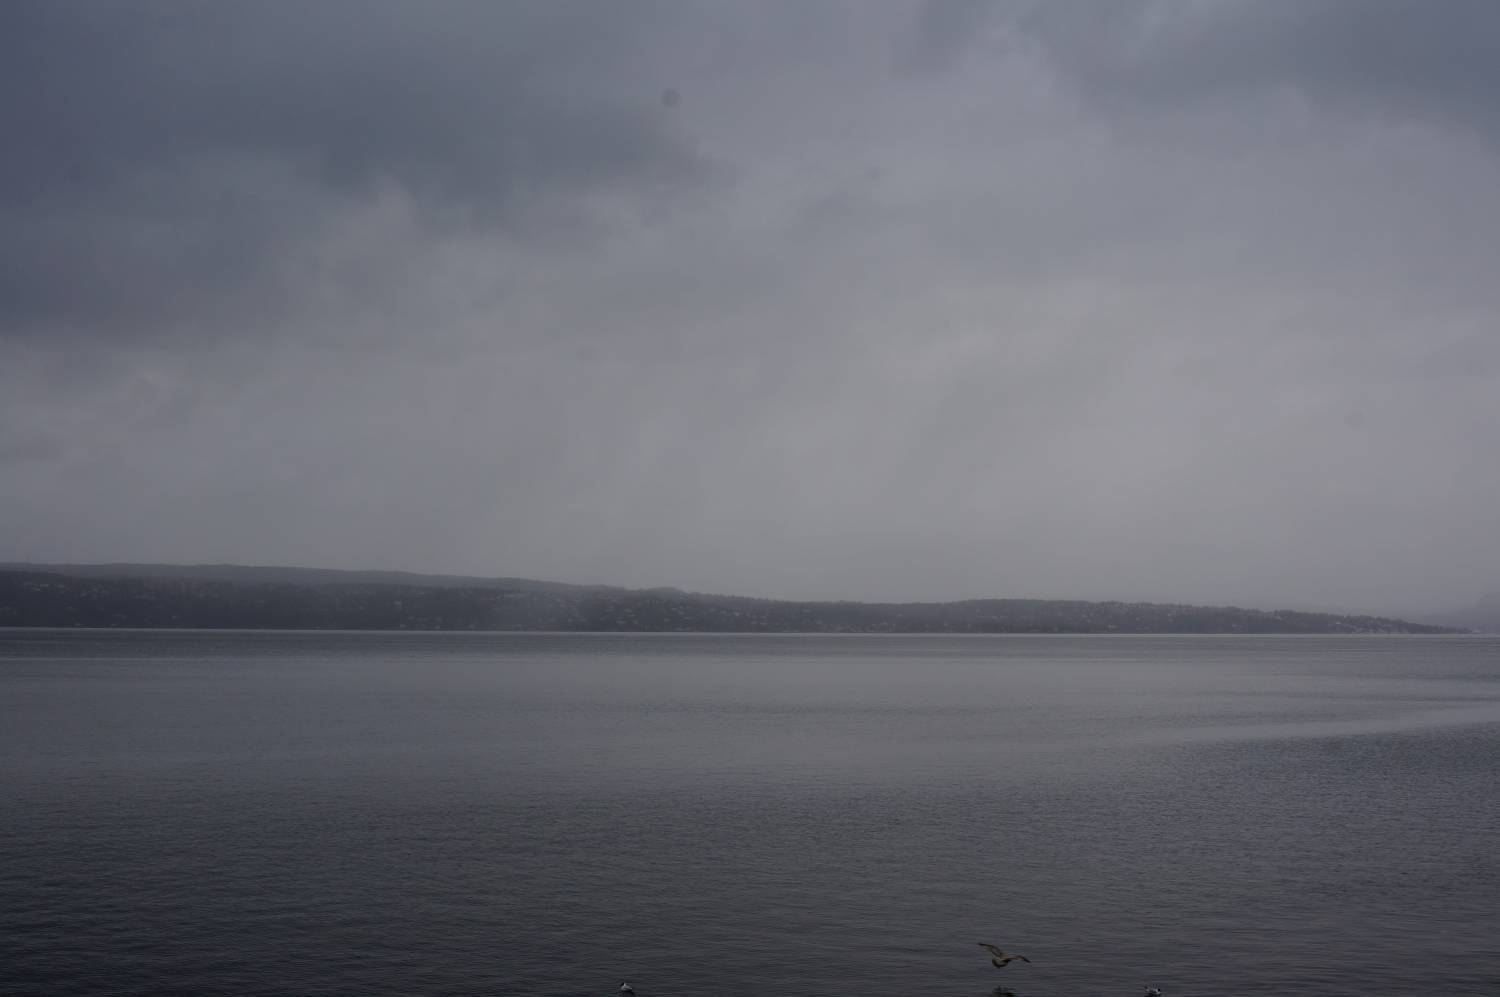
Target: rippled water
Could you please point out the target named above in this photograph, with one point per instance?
(370, 814)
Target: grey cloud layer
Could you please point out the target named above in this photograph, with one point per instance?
(1120, 300)
(1389, 57)
(197, 145)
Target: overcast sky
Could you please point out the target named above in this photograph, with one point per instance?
(1193, 301)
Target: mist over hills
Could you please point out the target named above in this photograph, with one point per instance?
(1483, 616)
(245, 597)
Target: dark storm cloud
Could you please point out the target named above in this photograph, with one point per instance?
(167, 163)
(1395, 58)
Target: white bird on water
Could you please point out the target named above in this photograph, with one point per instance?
(1151, 991)
(626, 988)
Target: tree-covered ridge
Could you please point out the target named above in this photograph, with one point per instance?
(48, 599)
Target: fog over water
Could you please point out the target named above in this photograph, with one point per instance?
(889, 301)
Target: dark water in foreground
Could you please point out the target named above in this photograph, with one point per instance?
(393, 814)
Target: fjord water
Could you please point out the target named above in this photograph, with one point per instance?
(456, 814)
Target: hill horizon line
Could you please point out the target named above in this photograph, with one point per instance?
(308, 576)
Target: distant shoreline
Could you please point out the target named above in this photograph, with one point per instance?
(957, 635)
(231, 597)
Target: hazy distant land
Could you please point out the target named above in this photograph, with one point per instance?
(238, 597)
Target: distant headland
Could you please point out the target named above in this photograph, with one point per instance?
(240, 597)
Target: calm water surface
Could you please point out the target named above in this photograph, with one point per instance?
(439, 814)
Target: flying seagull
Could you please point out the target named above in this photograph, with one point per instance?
(1151, 991)
(1001, 958)
(626, 988)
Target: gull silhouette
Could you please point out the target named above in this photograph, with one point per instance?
(1001, 958)
(1151, 991)
(626, 988)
